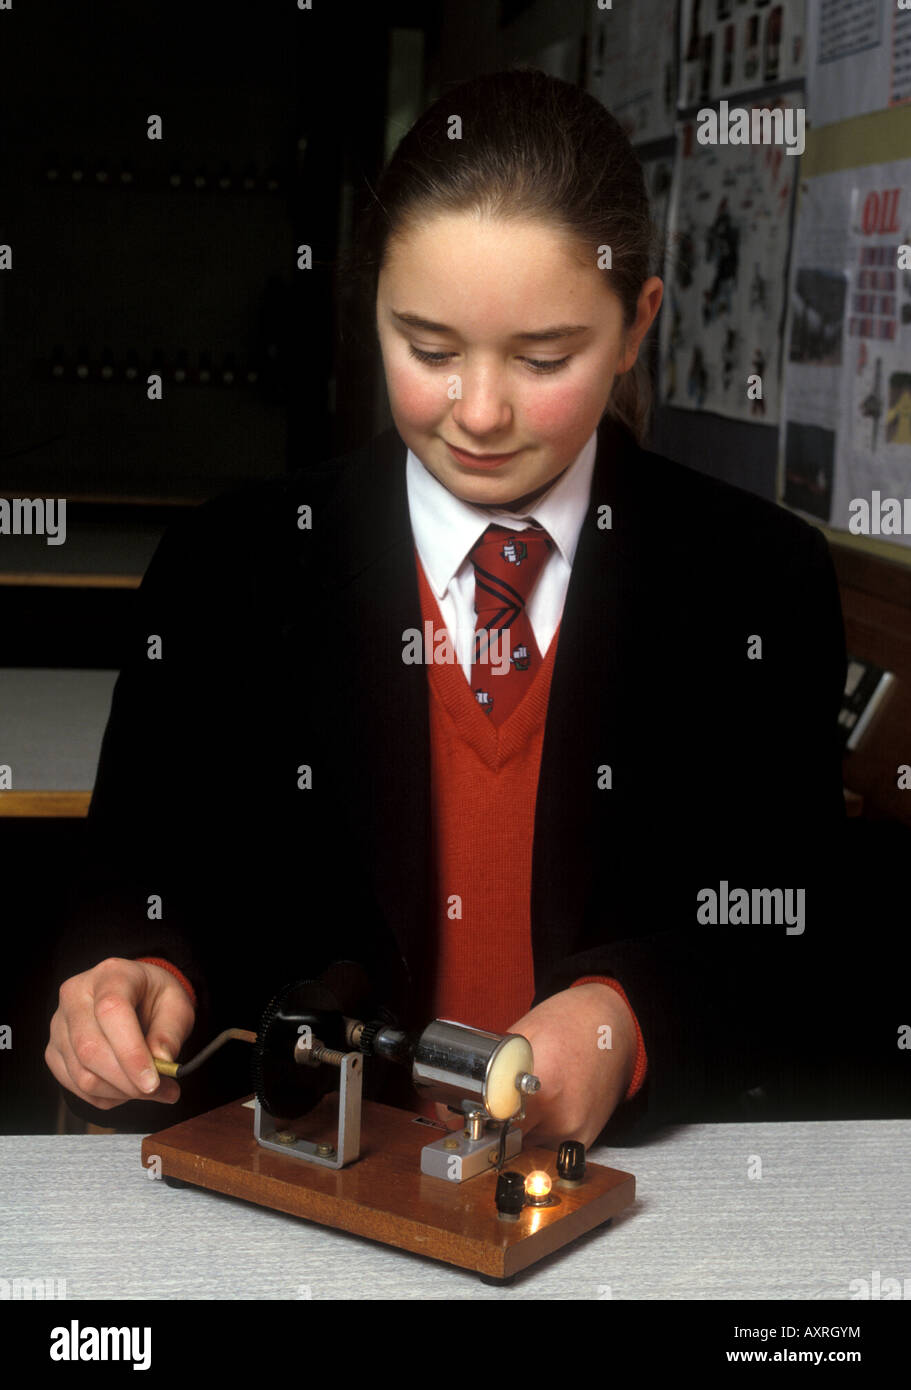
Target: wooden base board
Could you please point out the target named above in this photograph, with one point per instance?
(384, 1195)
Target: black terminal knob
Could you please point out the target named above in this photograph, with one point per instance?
(571, 1161)
(510, 1197)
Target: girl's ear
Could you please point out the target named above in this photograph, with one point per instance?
(650, 297)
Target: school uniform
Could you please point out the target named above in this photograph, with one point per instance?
(295, 792)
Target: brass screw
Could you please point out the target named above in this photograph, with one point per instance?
(451, 1144)
(285, 1136)
(325, 1150)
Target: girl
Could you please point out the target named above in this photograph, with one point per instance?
(496, 703)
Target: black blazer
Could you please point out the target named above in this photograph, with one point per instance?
(281, 646)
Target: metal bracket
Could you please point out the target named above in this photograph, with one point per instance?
(347, 1147)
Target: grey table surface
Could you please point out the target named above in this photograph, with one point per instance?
(832, 1206)
(51, 726)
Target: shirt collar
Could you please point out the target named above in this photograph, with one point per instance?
(445, 528)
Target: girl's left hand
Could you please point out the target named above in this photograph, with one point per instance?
(584, 1044)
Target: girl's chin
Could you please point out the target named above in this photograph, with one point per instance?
(484, 488)
(497, 489)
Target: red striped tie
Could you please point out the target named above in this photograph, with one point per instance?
(506, 567)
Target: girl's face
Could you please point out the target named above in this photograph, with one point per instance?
(500, 351)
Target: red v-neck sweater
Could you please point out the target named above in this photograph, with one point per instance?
(484, 782)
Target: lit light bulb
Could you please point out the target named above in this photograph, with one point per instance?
(537, 1188)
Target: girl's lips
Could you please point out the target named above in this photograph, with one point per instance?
(473, 461)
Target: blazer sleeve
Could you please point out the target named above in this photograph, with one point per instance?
(139, 892)
(196, 848)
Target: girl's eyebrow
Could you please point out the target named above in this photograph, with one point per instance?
(560, 330)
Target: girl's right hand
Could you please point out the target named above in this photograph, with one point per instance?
(109, 1023)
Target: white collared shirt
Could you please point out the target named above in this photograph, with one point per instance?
(445, 528)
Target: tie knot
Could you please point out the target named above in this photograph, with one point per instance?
(506, 565)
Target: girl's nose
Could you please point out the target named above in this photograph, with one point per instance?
(484, 406)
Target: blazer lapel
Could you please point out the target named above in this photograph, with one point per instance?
(585, 720)
(378, 735)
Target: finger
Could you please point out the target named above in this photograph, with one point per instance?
(117, 998)
(88, 1087)
(75, 1069)
(98, 1011)
(168, 1022)
(95, 1069)
(95, 1028)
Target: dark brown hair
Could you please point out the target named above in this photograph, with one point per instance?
(532, 146)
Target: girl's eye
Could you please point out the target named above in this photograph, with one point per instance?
(435, 359)
(546, 365)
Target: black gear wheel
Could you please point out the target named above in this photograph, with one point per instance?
(368, 1036)
(285, 1088)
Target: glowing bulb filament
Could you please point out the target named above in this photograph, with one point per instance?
(537, 1186)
